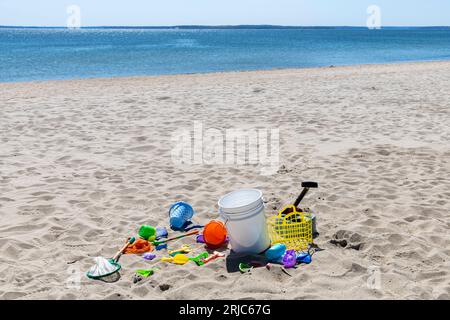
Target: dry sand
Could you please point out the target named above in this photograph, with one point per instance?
(84, 163)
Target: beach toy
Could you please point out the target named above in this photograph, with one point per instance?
(200, 239)
(306, 186)
(190, 233)
(199, 260)
(184, 249)
(147, 233)
(145, 273)
(215, 234)
(138, 247)
(177, 259)
(103, 267)
(275, 252)
(106, 267)
(245, 267)
(179, 214)
(304, 257)
(161, 246)
(294, 229)
(149, 256)
(289, 259)
(161, 232)
(243, 212)
(297, 228)
(214, 256)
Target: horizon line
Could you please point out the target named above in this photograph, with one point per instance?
(194, 26)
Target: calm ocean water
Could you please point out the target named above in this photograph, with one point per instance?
(41, 54)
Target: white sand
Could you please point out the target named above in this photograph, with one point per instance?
(84, 163)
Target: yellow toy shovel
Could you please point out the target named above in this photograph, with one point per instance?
(177, 259)
(184, 249)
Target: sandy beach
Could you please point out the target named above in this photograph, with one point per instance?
(84, 163)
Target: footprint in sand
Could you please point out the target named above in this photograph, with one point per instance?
(347, 239)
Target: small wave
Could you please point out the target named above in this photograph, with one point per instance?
(185, 43)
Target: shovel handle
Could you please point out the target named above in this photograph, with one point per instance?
(125, 246)
(306, 186)
(190, 233)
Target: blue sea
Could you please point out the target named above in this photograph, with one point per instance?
(43, 54)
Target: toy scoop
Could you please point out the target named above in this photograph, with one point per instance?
(161, 232)
(177, 259)
(214, 256)
(148, 256)
(304, 257)
(245, 267)
(145, 272)
(200, 259)
(147, 233)
(138, 247)
(184, 249)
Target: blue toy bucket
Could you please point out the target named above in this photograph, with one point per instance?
(179, 214)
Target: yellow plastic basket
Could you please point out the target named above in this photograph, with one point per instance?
(293, 229)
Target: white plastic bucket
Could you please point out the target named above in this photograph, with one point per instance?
(243, 212)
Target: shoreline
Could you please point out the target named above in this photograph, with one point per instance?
(260, 71)
(224, 27)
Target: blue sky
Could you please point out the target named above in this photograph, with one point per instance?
(221, 12)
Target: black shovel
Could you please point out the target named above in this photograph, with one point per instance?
(306, 186)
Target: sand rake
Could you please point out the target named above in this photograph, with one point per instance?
(107, 269)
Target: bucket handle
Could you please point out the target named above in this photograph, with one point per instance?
(223, 217)
(289, 215)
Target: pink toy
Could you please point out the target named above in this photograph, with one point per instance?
(214, 256)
